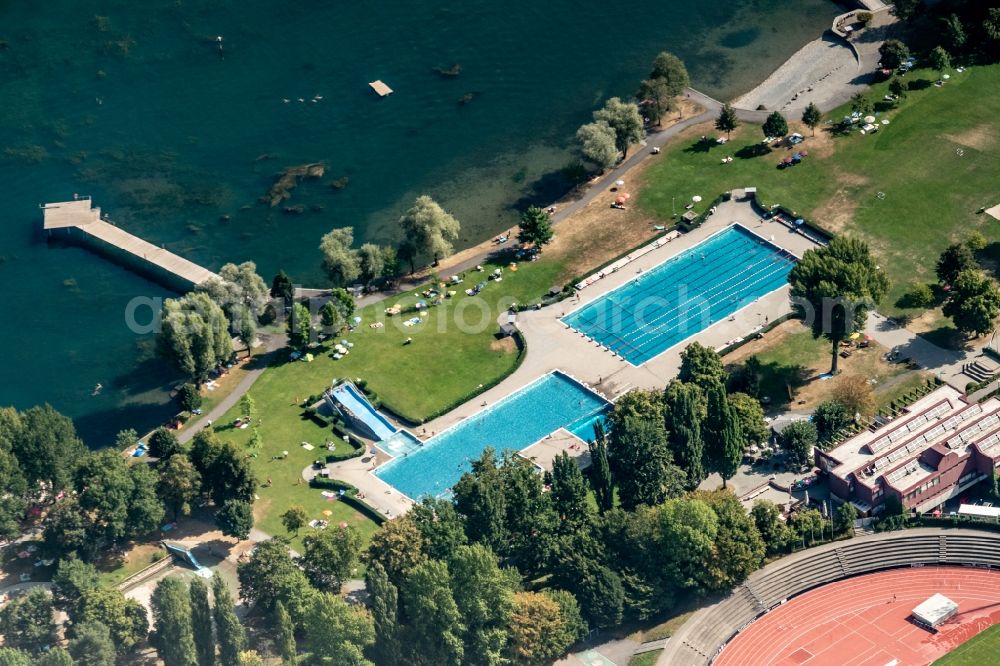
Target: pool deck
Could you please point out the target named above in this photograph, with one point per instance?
(551, 345)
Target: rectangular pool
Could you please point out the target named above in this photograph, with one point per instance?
(684, 295)
(519, 420)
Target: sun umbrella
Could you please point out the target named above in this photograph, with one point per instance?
(343, 526)
(619, 183)
(696, 198)
(328, 513)
(869, 119)
(946, 76)
(620, 200)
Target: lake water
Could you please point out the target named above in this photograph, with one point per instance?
(133, 103)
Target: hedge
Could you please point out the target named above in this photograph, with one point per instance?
(349, 497)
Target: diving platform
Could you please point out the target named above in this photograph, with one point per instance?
(79, 220)
(380, 88)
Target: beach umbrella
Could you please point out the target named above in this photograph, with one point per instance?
(328, 513)
(696, 198)
(620, 200)
(343, 526)
(869, 119)
(946, 76)
(619, 183)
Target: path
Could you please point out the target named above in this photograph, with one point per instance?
(946, 364)
(272, 343)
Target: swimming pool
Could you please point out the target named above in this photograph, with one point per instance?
(519, 420)
(684, 295)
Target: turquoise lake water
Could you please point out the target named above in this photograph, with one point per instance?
(132, 103)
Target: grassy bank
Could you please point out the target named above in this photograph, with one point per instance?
(980, 649)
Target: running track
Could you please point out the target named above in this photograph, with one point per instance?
(863, 621)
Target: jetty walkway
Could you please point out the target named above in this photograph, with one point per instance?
(80, 221)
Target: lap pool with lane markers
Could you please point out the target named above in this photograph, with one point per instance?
(524, 417)
(684, 295)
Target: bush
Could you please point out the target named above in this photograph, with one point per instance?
(919, 295)
(189, 398)
(865, 18)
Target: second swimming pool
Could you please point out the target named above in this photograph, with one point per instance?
(554, 401)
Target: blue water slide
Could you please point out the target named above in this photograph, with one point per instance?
(362, 410)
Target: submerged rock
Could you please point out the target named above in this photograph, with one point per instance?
(449, 73)
(340, 183)
(289, 179)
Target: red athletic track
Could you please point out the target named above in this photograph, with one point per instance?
(856, 622)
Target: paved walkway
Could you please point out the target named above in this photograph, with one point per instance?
(946, 364)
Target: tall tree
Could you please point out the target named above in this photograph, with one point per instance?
(229, 630)
(811, 117)
(536, 227)
(384, 604)
(13, 657)
(657, 97)
(682, 415)
(235, 518)
(600, 470)
(897, 88)
(702, 366)
(830, 418)
(125, 618)
(955, 32)
(194, 335)
(626, 121)
(435, 623)
(299, 327)
(72, 580)
(671, 70)
(46, 447)
(337, 311)
(55, 656)
(940, 60)
(798, 440)
(371, 262)
(893, 52)
(283, 288)
(442, 529)
(228, 475)
(684, 531)
(284, 633)
(569, 490)
(271, 575)
(174, 636)
(163, 444)
(973, 303)
(330, 557)
(201, 622)
(336, 633)
(90, 645)
(750, 415)
(727, 120)
(834, 287)
(105, 489)
(145, 510)
(861, 105)
(178, 485)
(429, 228)
(239, 285)
(738, 546)
(479, 496)
(244, 326)
(484, 595)
(775, 125)
(597, 144)
(340, 262)
(955, 259)
(398, 546)
(642, 464)
(596, 587)
(767, 519)
(539, 633)
(188, 398)
(723, 436)
(27, 623)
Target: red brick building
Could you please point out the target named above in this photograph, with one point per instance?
(936, 448)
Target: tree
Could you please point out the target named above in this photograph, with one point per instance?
(600, 470)
(671, 70)
(189, 398)
(738, 546)
(435, 624)
(384, 604)
(857, 396)
(282, 287)
(569, 490)
(624, 118)
(299, 327)
(767, 518)
(235, 518)
(701, 366)
(72, 580)
(429, 229)
(642, 464)
(991, 25)
(442, 529)
(955, 259)
(295, 518)
(271, 575)
(844, 517)
(227, 475)
(201, 622)
(163, 444)
(248, 407)
(145, 510)
(229, 632)
(484, 595)
(893, 52)
(861, 105)
(897, 88)
(178, 485)
(125, 618)
(775, 125)
(105, 490)
(398, 546)
(26, 623)
(834, 287)
(807, 524)
(371, 262)
(245, 326)
(390, 263)
(657, 97)
(723, 438)
(684, 531)
(194, 335)
(174, 636)
(12, 500)
(955, 32)
(727, 120)
(284, 632)
(336, 312)
(238, 285)
(682, 419)
(539, 633)
(251, 658)
(67, 530)
(46, 447)
(976, 241)
(919, 295)
(536, 227)
(811, 117)
(597, 144)
(330, 557)
(340, 263)
(973, 303)
(798, 440)
(939, 59)
(56, 656)
(337, 633)
(595, 586)
(830, 418)
(751, 417)
(91, 645)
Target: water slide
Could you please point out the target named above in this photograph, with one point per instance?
(351, 400)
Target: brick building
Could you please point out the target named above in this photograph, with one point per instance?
(936, 448)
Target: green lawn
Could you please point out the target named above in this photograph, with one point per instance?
(980, 649)
(935, 163)
(645, 659)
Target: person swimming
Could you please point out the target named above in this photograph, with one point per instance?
(98, 389)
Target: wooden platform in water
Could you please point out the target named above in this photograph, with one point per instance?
(380, 88)
(81, 215)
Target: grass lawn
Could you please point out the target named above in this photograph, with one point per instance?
(645, 659)
(114, 571)
(980, 649)
(935, 163)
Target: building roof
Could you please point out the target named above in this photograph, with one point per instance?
(935, 610)
(912, 446)
(979, 511)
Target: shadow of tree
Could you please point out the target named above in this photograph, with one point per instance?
(702, 145)
(946, 337)
(919, 84)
